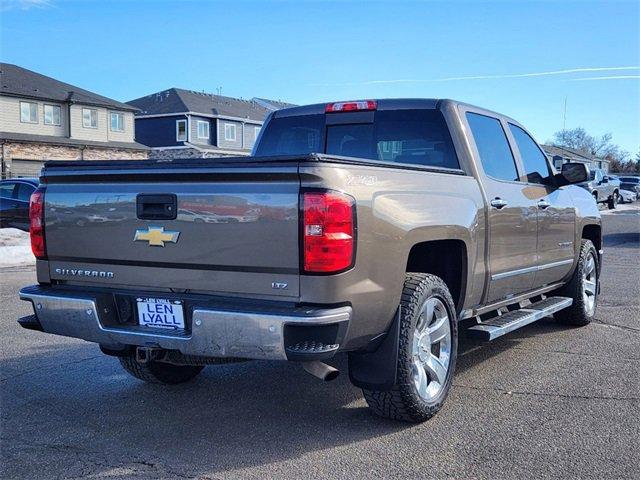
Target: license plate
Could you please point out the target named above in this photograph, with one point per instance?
(160, 313)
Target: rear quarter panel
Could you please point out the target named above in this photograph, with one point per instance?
(396, 209)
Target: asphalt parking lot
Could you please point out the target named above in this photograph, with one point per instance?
(545, 401)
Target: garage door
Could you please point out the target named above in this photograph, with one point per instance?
(26, 168)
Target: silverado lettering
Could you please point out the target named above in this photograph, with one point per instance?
(83, 273)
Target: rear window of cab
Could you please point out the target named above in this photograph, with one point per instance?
(415, 137)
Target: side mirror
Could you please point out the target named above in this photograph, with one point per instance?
(573, 173)
(605, 179)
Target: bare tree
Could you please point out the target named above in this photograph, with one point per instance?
(602, 147)
(579, 139)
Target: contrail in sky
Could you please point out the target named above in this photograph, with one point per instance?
(483, 77)
(613, 77)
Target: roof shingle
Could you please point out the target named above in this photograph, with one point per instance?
(177, 100)
(20, 82)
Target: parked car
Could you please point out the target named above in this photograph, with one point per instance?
(381, 225)
(627, 196)
(603, 188)
(631, 184)
(14, 202)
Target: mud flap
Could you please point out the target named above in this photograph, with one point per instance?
(377, 370)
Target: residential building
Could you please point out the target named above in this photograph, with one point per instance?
(560, 155)
(45, 119)
(179, 123)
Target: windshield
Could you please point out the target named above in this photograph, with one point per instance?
(418, 137)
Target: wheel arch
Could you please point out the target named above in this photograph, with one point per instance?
(445, 258)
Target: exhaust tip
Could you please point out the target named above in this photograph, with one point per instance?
(332, 375)
(321, 370)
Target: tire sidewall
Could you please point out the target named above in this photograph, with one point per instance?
(588, 248)
(405, 353)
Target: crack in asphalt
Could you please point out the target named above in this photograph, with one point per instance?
(92, 461)
(615, 325)
(541, 394)
(564, 352)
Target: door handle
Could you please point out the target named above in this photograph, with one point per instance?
(498, 203)
(543, 204)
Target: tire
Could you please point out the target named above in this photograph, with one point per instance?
(161, 373)
(581, 311)
(403, 401)
(612, 203)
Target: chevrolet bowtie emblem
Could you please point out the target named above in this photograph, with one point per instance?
(156, 236)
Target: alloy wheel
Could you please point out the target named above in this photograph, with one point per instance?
(431, 349)
(589, 284)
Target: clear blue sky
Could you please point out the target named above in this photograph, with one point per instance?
(306, 52)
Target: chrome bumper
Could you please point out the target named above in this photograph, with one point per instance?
(213, 333)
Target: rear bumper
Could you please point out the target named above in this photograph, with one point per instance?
(273, 333)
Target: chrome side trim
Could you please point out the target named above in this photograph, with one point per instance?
(512, 273)
(537, 268)
(214, 333)
(568, 261)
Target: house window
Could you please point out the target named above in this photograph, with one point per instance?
(51, 115)
(257, 132)
(90, 118)
(117, 122)
(203, 129)
(181, 130)
(28, 112)
(230, 132)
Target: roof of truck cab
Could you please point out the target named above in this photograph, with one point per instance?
(383, 104)
(389, 104)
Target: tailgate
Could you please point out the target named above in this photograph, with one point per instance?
(235, 230)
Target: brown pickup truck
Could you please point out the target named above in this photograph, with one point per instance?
(372, 228)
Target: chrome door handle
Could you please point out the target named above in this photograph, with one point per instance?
(498, 203)
(543, 204)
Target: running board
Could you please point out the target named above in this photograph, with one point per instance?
(502, 324)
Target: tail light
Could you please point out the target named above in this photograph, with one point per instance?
(354, 106)
(36, 223)
(328, 232)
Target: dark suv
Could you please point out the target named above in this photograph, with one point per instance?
(14, 202)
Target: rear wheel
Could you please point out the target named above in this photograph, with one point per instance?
(158, 372)
(426, 353)
(612, 203)
(583, 288)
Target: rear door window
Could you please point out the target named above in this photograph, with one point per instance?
(536, 167)
(6, 190)
(493, 147)
(24, 192)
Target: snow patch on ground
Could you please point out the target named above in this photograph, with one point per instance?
(15, 248)
(622, 207)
